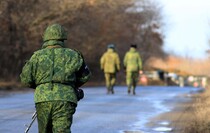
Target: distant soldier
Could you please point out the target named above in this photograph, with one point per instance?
(56, 73)
(132, 64)
(110, 64)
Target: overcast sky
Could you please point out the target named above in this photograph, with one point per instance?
(187, 27)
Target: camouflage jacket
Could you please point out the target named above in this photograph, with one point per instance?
(132, 61)
(110, 61)
(55, 72)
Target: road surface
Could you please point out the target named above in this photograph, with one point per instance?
(99, 112)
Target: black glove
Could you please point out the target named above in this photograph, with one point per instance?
(79, 93)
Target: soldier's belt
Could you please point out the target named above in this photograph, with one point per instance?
(57, 82)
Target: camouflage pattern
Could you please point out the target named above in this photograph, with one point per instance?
(110, 79)
(110, 64)
(110, 61)
(55, 73)
(55, 32)
(132, 63)
(55, 117)
(131, 81)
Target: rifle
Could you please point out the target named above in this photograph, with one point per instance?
(33, 119)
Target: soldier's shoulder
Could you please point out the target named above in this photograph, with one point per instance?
(39, 51)
(127, 52)
(137, 52)
(74, 52)
(116, 53)
(77, 51)
(106, 53)
(68, 50)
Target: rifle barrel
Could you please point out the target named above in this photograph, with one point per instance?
(33, 119)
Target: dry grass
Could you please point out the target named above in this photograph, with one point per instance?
(192, 117)
(9, 85)
(182, 66)
(188, 117)
(200, 119)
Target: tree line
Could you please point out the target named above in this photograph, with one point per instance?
(91, 25)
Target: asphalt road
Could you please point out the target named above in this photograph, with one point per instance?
(99, 112)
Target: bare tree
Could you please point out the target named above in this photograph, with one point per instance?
(91, 24)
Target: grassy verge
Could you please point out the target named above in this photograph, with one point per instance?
(198, 113)
(189, 116)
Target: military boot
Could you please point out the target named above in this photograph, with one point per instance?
(107, 90)
(112, 90)
(134, 93)
(129, 90)
(133, 88)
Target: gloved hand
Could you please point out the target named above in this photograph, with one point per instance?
(79, 93)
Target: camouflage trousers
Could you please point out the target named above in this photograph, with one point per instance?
(55, 116)
(110, 81)
(132, 80)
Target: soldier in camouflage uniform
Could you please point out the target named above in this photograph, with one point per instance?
(110, 64)
(132, 64)
(55, 72)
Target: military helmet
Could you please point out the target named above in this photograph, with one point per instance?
(54, 32)
(111, 46)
